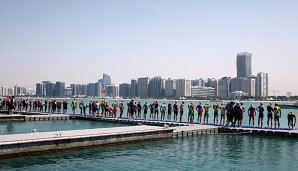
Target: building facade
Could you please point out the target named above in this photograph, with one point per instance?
(244, 67)
(143, 87)
(262, 85)
(224, 87)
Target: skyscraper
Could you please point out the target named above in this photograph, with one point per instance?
(224, 87)
(134, 88)
(155, 87)
(244, 64)
(143, 87)
(183, 88)
(170, 87)
(262, 86)
(106, 80)
(39, 89)
(60, 89)
(50, 89)
(124, 90)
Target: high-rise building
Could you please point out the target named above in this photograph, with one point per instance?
(94, 89)
(143, 87)
(224, 87)
(244, 64)
(124, 90)
(262, 85)
(60, 89)
(112, 90)
(170, 87)
(40, 87)
(212, 82)
(50, 90)
(246, 85)
(91, 88)
(183, 88)
(155, 87)
(134, 88)
(106, 80)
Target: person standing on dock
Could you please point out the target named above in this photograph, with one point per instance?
(163, 109)
(115, 108)
(215, 108)
(176, 109)
(252, 113)
(121, 108)
(65, 106)
(260, 109)
(170, 108)
(181, 110)
(270, 114)
(139, 109)
(74, 106)
(199, 108)
(277, 115)
(237, 114)
(145, 108)
(156, 105)
(191, 116)
(206, 114)
(222, 114)
(291, 120)
(152, 113)
(131, 108)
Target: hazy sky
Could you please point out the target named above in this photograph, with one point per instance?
(77, 41)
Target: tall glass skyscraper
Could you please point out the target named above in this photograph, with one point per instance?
(244, 64)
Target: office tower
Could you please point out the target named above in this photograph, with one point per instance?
(155, 87)
(124, 90)
(50, 90)
(112, 90)
(224, 87)
(246, 85)
(212, 82)
(183, 88)
(262, 85)
(170, 87)
(134, 88)
(244, 64)
(60, 89)
(143, 87)
(106, 80)
(91, 89)
(39, 89)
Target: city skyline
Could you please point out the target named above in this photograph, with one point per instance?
(75, 42)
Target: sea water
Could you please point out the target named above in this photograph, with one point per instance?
(221, 152)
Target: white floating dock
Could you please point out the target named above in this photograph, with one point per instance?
(24, 144)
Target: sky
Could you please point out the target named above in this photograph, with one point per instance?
(76, 41)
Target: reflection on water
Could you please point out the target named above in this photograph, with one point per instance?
(204, 152)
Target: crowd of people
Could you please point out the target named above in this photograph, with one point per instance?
(230, 114)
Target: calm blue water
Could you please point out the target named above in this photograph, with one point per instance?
(204, 152)
(53, 125)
